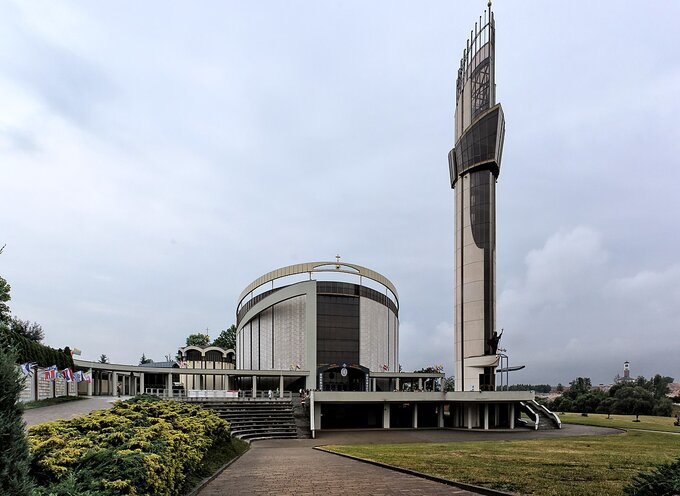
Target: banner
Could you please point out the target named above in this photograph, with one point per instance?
(50, 373)
(26, 368)
(67, 374)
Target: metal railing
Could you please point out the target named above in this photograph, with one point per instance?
(209, 394)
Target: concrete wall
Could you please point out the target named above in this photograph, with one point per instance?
(378, 336)
(274, 339)
(46, 389)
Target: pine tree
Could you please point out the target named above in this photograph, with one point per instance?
(14, 456)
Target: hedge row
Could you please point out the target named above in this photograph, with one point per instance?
(31, 351)
(135, 448)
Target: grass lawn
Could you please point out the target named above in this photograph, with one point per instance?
(622, 421)
(30, 405)
(566, 466)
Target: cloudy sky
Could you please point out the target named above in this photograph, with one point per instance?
(156, 157)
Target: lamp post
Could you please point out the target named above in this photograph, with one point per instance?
(507, 369)
(502, 369)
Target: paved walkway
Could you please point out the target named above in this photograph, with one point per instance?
(68, 410)
(287, 469)
(293, 467)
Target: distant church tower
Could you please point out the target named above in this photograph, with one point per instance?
(626, 370)
(474, 165)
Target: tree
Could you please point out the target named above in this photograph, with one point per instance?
(560, 387)
(103, 359)
(14, 455)
(659, 386)
(579, 386)
(144, 360)
(198, 339)
(26, 328)
(227, 338)
(4, 298)
(449, 384)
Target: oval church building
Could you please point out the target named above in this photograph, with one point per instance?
(339, 321)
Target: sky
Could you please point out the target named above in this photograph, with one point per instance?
(157, 157)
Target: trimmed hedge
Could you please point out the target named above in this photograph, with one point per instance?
(135, 448)
(663, 480)
(31, 351)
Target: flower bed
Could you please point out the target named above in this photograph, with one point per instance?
(136, 447)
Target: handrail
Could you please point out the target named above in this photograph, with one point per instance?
(533, 413)
(552, 415)
(210, 394)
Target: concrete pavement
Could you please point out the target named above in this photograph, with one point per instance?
(69, 410)
(293, 467)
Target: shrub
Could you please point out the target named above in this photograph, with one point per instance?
(30, 351)
(138, 447)
(664, 480)
(14, 457)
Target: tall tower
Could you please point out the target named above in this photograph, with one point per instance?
(474, 165)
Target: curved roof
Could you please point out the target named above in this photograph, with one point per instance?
(322, 266)
(204, 349)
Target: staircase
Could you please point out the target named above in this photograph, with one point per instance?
(257, 419)
(541, 417)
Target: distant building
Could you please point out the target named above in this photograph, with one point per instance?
(626, 373)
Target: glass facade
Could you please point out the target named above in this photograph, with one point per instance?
(337, 329)
(478, 144)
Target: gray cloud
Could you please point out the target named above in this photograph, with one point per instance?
(182, 151)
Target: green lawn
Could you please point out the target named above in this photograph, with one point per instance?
(622, 421)
(29, 405)
(567, 466)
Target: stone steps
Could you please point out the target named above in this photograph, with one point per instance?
(257, 419)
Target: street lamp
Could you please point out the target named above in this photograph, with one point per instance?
(507, 369)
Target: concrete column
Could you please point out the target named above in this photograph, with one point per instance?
(386, 416)
(397, 381)
(114, 386)
(512, 415)
(312, 414)
(254, 386)
(469, 416)
(90, 384)
(440, 416)
(415, 416)
(374, 384)
(420, 383)
(497, 415)
(168, 385)
(486, 416)
(142, 388)
(281, 386)
(317, 415)
(226, 382)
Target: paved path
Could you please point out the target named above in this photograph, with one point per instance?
(283, 467)
(287, 469)
(68, 410)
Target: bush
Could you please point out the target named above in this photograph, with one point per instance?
(14, 457)
(137, 447)
(664, 480)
